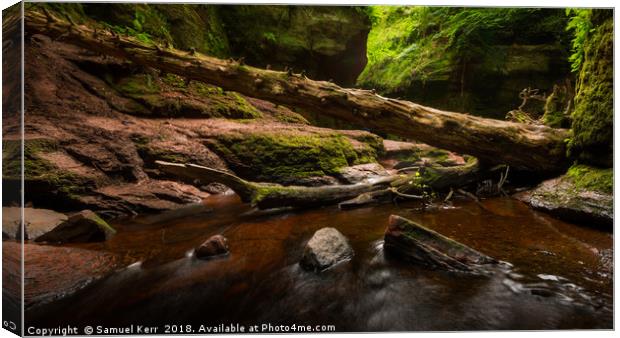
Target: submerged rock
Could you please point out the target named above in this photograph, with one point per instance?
(84, 226)
(361, 172)
(569, 199)
(326, 248)
(37, 222)
(418, 244)
(214, 246)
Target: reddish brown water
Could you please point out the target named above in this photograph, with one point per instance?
(559, 277)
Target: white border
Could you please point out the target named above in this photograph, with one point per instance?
(475, 3)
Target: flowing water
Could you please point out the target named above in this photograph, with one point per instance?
(561, 275)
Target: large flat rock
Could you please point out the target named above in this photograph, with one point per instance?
(37, 222)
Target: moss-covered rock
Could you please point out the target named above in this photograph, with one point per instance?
(583, 195)
(195, 26)
(43, 180)
(289, 157)
(591, 178)
(170, 95)
(424, 155)
(184, 26)
(592, 140)
(556, 114)
(85, 226)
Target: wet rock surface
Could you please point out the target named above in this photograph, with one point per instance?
(326, 248)
(418, 244)
(401, 155)
(362, 172)
(53, 272)
(37, 222)
(561, 198)
(215, 246)
(84, 226)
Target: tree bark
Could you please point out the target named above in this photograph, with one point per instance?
(526, 147)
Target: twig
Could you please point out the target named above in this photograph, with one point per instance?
(449, 195)
(407, 169)
(400, 194)
(468, 194)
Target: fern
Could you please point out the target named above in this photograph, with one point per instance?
(581, 25)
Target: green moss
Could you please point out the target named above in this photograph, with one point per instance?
(152, 154)
(592, 178)
(592, 140)
(434, 155)
(103, 225)
(474, 60)
(555, 109)
(195, 26)
(137, 85)
(266, 190)
(174, 80)
(280, 158)
(183, 26)
(195, 99)
(69, 11)
(410, 44)
(39, 172)
(33, 165)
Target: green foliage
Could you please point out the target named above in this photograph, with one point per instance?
(270, 37)
(195, 26)
(592, 178)
(68, 11)
(581, 26)
(143, 28)
(592, 140)
(409, 44)
(179, 25)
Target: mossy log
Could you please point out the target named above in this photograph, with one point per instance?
(527, 147)
(416, 243)
(270, 195)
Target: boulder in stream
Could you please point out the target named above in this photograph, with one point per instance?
(84, 226)
(216, 245)
(37, 222)
(326, 248)
(571, 199)
(421, 245)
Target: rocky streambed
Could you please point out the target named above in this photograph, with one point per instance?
(559, 275)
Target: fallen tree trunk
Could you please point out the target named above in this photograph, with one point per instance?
(427, 247)
(526, 147)
(269, 195)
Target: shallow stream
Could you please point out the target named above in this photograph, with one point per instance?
(561, 274)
